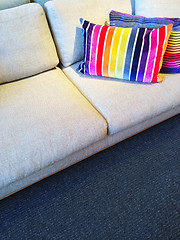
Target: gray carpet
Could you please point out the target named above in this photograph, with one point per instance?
(130, 191)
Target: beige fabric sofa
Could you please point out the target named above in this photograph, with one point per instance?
(53, 117)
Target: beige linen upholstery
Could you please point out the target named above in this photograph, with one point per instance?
(26, 44)
(11, 3)
(125, 104)
(84, 153)
(160, 8)
(65, 23)
(43, 120)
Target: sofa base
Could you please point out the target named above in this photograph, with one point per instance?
(86, 152)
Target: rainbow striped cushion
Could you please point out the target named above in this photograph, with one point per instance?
(133, 54)
(171, 59)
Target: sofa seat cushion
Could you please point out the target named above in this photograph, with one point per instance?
(43, 120)
(125, 104)
(26, 44)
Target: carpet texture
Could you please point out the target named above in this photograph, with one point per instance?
(130, 191)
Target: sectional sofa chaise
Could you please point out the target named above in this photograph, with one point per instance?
(51, 114)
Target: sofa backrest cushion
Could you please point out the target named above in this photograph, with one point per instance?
(158, 8)
(26, 44)
(11, 3)
(64, 18)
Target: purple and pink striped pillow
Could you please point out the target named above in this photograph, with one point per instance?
(171, 59)
(133, 54)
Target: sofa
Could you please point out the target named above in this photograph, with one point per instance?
(51, 114)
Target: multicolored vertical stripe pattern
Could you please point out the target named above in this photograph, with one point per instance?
(133, 54)
(171, 59)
